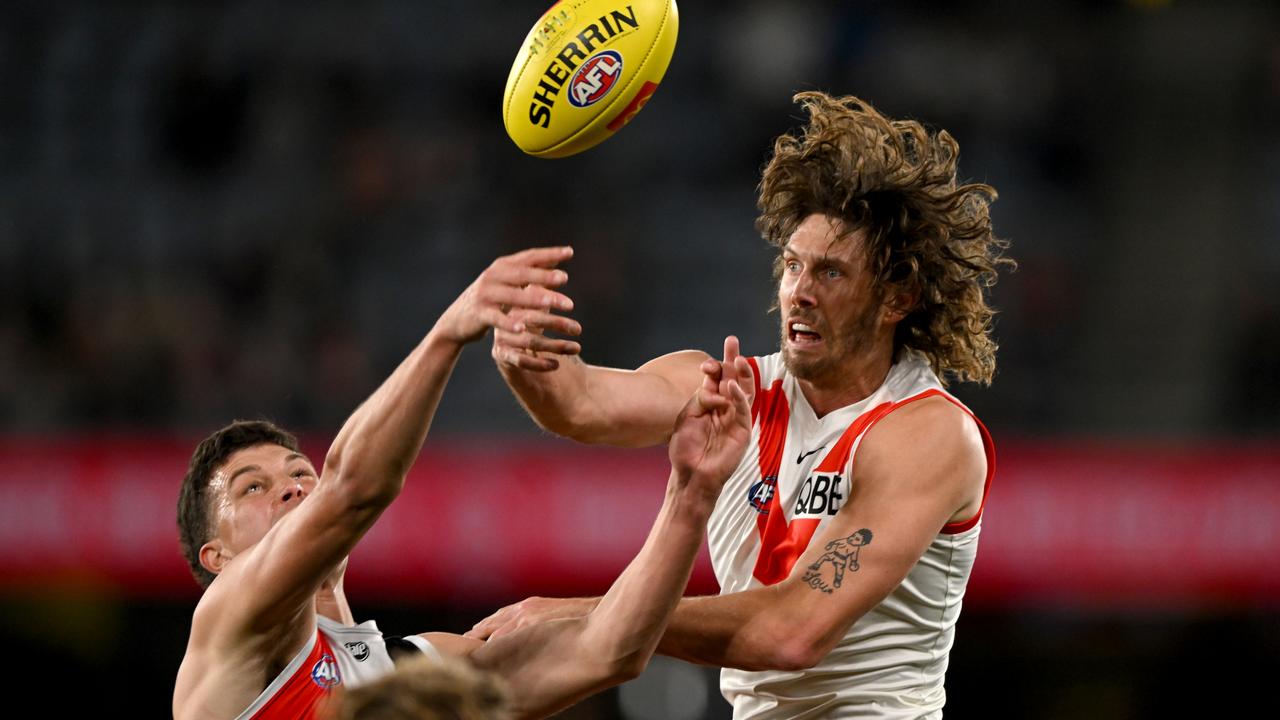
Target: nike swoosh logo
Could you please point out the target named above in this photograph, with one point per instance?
(805, 455)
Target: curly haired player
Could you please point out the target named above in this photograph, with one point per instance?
(883, 263)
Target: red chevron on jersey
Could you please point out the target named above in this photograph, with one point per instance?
(306, 694)
(769, 408)
(782, 542)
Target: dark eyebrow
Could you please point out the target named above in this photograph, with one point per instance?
(295, 456)
(247, 468)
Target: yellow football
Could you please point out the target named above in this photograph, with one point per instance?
(586, 68)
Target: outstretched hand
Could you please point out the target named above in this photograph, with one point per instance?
(512, 294)
(522, 344)
(712, 431)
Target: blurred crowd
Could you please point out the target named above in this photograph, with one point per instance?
(246, 209)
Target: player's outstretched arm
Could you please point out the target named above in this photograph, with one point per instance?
(368, 460)
(535, 610)
(592, 404)
(552, 665)
(255, 615)
(899, 500)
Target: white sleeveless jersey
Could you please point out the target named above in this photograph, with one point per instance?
(793, 479)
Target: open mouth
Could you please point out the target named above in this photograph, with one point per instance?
(799, 333)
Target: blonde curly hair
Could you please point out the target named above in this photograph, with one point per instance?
(426, 688)
(926, 234)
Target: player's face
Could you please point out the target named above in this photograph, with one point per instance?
(830, 312)
(256, 487)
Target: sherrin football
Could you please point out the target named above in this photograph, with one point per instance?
(586, 68)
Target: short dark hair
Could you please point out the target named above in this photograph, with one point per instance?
(195, 527)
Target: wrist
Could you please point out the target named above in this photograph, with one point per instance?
(442, 338)
(693, 493)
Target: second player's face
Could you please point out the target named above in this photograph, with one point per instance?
(256, 487)
(829, 310)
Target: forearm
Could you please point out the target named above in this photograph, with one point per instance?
(554, 399)
(629, 620)
(380, 441)
(608, 406)
(741, 630)
(553, 664)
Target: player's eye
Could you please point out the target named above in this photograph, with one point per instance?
(252, 487)
(832, 273)
(792, 266)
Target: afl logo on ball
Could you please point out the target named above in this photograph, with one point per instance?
(595, 78)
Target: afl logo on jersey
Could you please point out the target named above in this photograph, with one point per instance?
(761, 494)
(595, 78)
(325, 672)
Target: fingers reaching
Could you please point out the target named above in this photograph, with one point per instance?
(516, 295)
(544, 257)
(533, 297)
(731, 352)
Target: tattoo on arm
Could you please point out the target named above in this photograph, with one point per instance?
(841, 555)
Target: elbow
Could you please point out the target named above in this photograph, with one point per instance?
(621, 669)
(619, 660)
(794, 655)
(579, 430)
(630, 667)
(787, 649)
(588, 672)
(561, 426)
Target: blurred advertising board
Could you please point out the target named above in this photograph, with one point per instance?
(1068, 523)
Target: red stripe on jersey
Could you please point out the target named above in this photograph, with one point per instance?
(988, 447)
(755, 381)
(782, 542)
(836, 459)
(770, 406)
(305, 695)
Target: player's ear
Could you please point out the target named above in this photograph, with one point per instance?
(213, 556)
(899, 303)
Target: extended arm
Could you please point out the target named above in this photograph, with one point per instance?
(591, 404)
(599, 405)
(900, 497)
(367, 462)
(554, 664)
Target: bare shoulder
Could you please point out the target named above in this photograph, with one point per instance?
(944, 425)
(928, 445)
(227, 663)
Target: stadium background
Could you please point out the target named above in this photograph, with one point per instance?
(246, 209)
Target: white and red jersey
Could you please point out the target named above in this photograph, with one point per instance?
(792, 481)
(337, 657)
